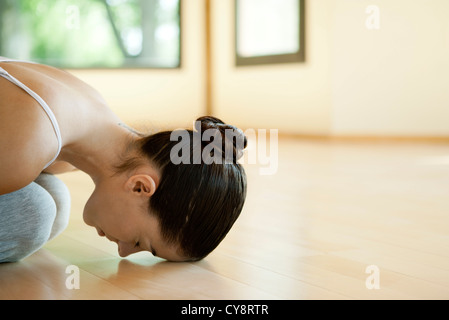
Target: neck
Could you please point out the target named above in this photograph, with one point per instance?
(98, 153)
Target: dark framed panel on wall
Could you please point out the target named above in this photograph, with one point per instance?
(269, 31)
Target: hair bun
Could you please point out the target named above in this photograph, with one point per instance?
(228, 134)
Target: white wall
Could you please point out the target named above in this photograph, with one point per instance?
(160, 98)
(293, 97)
(389, 82)
(393, 81)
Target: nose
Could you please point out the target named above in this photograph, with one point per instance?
(125, 249)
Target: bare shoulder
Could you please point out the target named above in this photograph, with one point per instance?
(27, 139)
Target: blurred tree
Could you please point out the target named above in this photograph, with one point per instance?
(90, 33)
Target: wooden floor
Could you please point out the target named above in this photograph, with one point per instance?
(307, 232)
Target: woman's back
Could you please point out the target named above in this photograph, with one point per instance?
(28, 136)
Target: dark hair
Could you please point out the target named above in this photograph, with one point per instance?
(197, 203)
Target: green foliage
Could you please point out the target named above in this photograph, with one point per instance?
(86, 33)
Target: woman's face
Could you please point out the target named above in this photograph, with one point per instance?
(118, 209)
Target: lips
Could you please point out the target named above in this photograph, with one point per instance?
(100, 232)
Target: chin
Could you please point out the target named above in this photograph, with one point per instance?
(87, 216)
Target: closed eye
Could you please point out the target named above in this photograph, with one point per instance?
(153, 251)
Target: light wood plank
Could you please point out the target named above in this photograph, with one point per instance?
(307, 232)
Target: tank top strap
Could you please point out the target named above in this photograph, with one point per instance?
(43, 104)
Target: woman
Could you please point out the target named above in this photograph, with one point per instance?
(51, 122)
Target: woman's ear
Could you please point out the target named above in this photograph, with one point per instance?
(142, 185)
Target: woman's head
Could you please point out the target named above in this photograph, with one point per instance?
(187, 207)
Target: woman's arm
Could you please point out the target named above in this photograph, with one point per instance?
(59, 167)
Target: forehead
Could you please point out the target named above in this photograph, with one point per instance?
(152, 237)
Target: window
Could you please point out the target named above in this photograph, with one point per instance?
(269, 31)
(92, 33)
